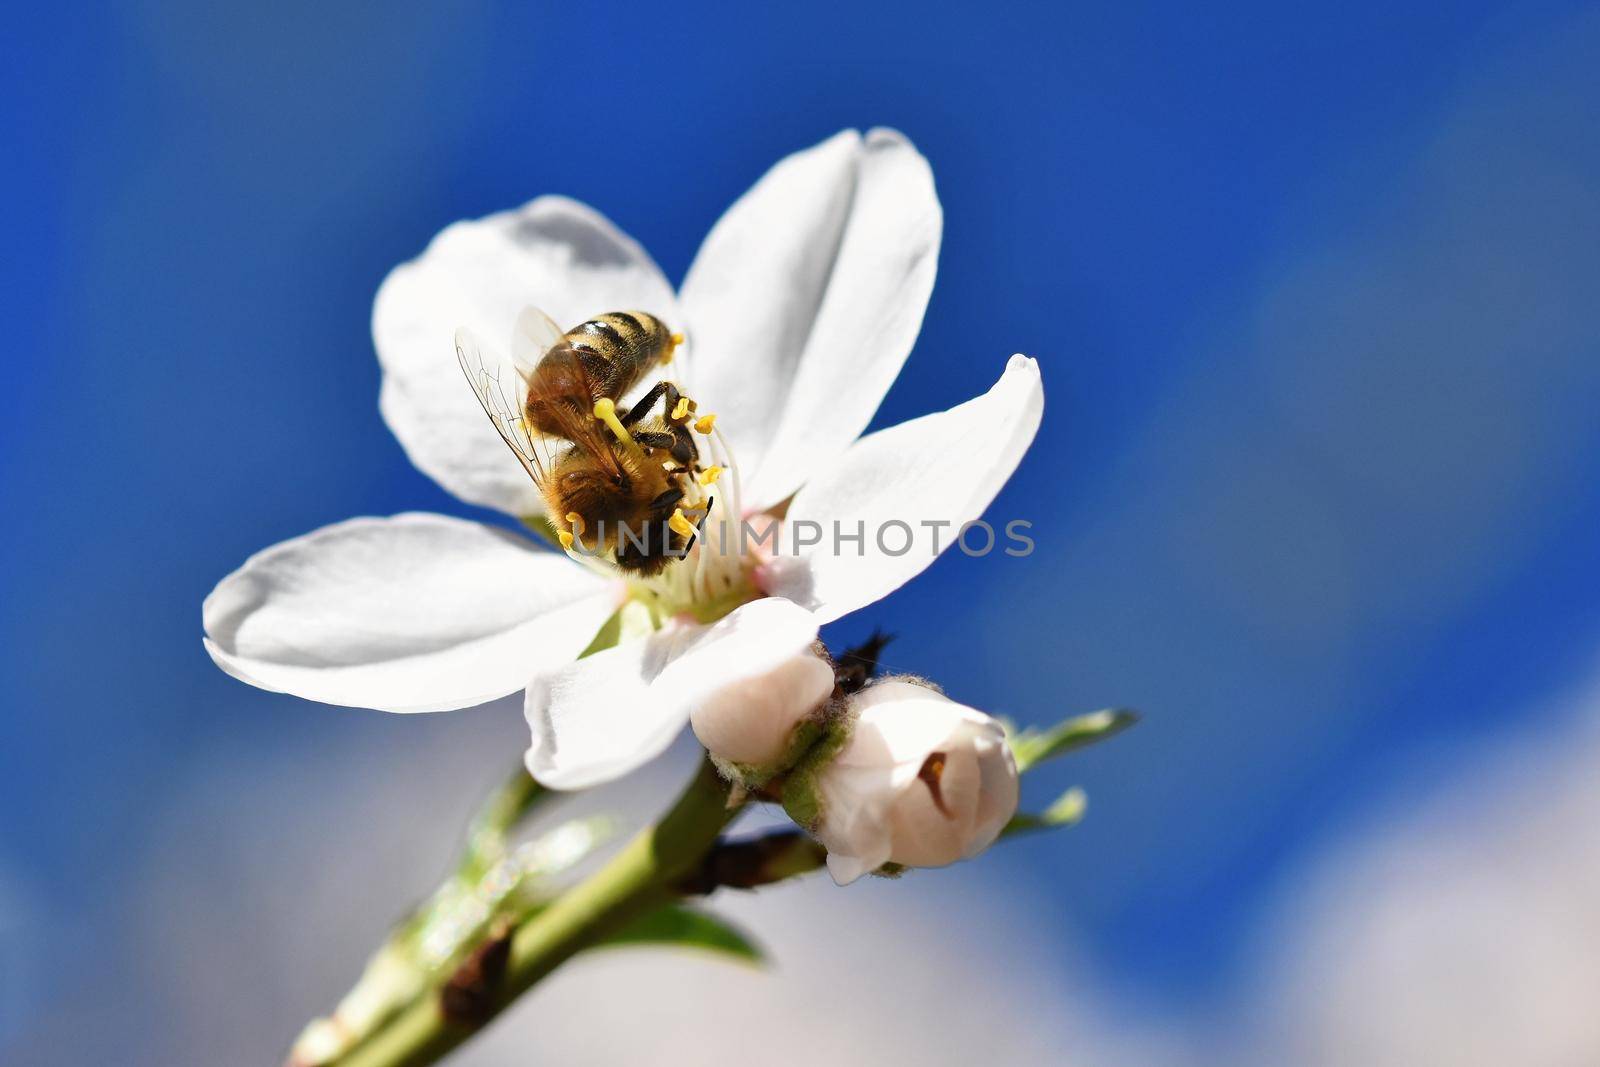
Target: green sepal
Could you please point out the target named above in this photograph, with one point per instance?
(1068, 810)
(676, 925)
(1032, 747)
(801, 800)
(807, 733)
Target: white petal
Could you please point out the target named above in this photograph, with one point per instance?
(846, 869)
(410, 613)
(999, 791)
(854, 827)
(806, 298)
(749, 642)
(554, 253)
(894, 487)
(930, 834)
(610, 713)
(596, 720)
(919, 720)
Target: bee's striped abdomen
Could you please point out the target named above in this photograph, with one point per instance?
(617, 348)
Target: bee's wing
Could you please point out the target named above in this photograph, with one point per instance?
(535, 334)
(500, 388)
(561, 393)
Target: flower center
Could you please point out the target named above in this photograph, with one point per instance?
(713, 576)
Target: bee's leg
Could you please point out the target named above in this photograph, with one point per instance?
(677, 443)
(646, 402)
(657, 439)
(684, 450)
(667, 499)
(675, 440)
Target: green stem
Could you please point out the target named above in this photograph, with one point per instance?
(639, 878)
(486, 838)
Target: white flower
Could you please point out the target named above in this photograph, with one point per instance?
(800, 309)
(922, 781)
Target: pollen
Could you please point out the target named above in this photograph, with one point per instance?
(709, 475)
(704, 423)
(682, 408)
(605, 409)
(677, 339)
(565, 537)
(577, 522)
(679, 524)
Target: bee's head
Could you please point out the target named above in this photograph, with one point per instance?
(648, 549)
(624, 510)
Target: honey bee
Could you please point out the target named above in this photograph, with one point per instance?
(619, 479)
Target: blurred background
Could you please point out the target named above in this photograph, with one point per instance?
(1316, 293)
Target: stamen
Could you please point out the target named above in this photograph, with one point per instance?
(565, 537)
(605, 409)
(679, 524)
(681, 409)
(677, 339)
(731, 463)
(709, 475)
(704, 423)
(577, 522)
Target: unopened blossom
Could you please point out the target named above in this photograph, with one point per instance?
(757, 721)
(922, 781)
(800, 309)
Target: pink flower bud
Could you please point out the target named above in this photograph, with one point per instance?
(922, 781)
(751, 722)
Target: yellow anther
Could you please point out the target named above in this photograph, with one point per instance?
(709, 475)
(565, 538)
(605, 409)
(672, 349)
(681, 409)
(679, 524)
(577, 522)
(704, 423)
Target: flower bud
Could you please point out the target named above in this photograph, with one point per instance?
(752, 722)
(922, 781)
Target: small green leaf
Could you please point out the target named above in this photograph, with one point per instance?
(674, 924)
(1068, 810)
(1032, 747)
(632, 620)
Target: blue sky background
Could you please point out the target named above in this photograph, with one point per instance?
(1316, 293)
